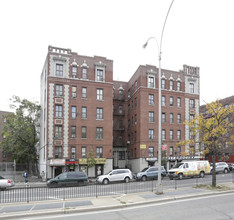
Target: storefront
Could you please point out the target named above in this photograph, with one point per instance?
(71, 165)
(57, 166)
(94, 171)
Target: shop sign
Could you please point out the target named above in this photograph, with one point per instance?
(98, 160)
(142, 146)
(57, 162)
(71, 161)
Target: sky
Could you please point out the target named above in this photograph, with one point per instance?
(197, 33)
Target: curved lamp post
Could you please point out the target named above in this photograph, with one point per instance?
(159, 187)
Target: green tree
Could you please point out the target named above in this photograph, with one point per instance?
(90, 159)
(21, 133)
(212, 131)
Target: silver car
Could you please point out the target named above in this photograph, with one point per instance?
(6, 183)
(220, 167)
(116, 175)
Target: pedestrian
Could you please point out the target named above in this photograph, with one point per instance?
(26, 176)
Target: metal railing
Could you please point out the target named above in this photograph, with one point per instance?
(29, 193)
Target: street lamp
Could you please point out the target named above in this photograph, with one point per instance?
(159, 188)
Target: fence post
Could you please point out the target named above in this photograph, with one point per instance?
(27, 192)
(96, 189)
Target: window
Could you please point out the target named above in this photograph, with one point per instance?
(84, 73)
(58, 111)
(178, 86)
(58, 90)
(192, 103)
(99, 133)
(151, 99)
(74, 72)
(99, 94)
(99, 152)
(191, 135)
(135, 86)
(73, 112)
(121, 155)
(178, 118)
(171, 85)
(163, 135)
(100, 75)
(84, 92)
(171, 151)
(58, 152)
(121, 124)
(135, 102)
(74, 91)
(178, 102)
(151, 134)
(58, 131)
(171, 118)
(73, 152)
(191, 87)
(73, 131)
(150, 82)
(163, 117)
(129, 93)
(129, 124)
(120, 140)
(178, 151)
(99, 113)
(163, 84)
(59, 69)
(191, 117)
(120, 94)
(151, 116)
(151, 151)
(83, 152)
(120, 109)
(83, 132)
(135, 119)
(128, 109)
(163, 100)
(171, 134)
(179, 135)
(171, 101)
(83, 112)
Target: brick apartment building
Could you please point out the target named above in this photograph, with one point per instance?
(3, 156)
(85, 111)
(228, 154)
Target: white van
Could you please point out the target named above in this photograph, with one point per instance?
(189, 169)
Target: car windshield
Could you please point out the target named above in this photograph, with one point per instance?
(144, 169)
(178, 165)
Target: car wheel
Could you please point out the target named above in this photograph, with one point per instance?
(202, 174)
(54, 184)
(180, 176)
(127, 180)
(225, 171)
(143, 178)
(162, 176)
(171, 178)
(105, 181)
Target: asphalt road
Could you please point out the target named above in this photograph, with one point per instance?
(210, 207)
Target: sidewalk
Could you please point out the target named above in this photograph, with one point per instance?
(14, 210)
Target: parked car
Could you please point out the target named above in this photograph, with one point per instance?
(189, 169)
(69, 179)
(116, 175)
(231, 166)
(6, 183)
(150, 173)
(220, 167)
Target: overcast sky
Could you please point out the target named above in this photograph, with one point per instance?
(197, 33)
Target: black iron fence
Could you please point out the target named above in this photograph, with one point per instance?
(29, 193)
